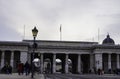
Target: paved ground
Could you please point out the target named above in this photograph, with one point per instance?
(16, 76)
(73, 76)
(60, 76)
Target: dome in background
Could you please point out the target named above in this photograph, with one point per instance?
(108, 40)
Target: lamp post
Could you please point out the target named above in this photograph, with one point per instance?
(34, 32)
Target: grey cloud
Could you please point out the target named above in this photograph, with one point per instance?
(7, 33)
(49, 14)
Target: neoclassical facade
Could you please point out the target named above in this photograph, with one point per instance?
(83, 55)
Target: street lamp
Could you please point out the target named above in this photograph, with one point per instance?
(34, 32)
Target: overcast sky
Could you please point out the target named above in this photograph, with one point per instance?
(80, 19)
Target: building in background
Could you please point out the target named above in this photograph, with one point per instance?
(82, 56)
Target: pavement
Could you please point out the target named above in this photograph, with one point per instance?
(16, 76)
(41, 76)
(81, 76)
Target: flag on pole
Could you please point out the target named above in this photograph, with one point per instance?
(60, 32)
(60, 27)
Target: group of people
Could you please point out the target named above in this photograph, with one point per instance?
(7, 69)
(94, 71)
(21, 68)
(24, 68)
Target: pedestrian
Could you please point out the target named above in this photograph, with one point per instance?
(9, 69)
(99, 71)
(27, 68)
(20, 68)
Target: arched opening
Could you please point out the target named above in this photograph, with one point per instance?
(85, 63)
(7, 57)
(47, 65)
(72, 63)
(16, 60)
(105, 62)
(114, 62)
(58, 65)
(61, 57)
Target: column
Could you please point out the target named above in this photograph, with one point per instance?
(2, 59)
(12, 59)
(29, 57)
(118, 61)
(98, 60)
(91, 61)
(23, 57)
(41, 63)
(109, 61)
(54, 63)
(66, 63)
(79, 63)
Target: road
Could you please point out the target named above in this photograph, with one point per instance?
(73, 76)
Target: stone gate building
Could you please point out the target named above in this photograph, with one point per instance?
(83, 55)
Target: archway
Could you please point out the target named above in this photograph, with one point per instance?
(105, 62)
(85, 60)
(113, 62)
(58, 66)
(16, 60)
(47, 65)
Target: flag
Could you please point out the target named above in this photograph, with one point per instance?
(60, 31)
(60, 27)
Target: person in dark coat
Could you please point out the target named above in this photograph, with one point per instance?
(27, 68)
(9, 69)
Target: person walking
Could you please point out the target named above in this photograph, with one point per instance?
(20, 68)
(27, 68)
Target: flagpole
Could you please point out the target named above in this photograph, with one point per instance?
(98, 35)
(24, 33)
(60, 32)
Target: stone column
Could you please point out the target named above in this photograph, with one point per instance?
(109, 61)
(12, 59)
(91, 61)
(29, 57)
(66, 63)
(41, 63)
(54, 63)
(118, 61)
(23, 57)
(2, 59)
(98, 60)
(79, 63)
